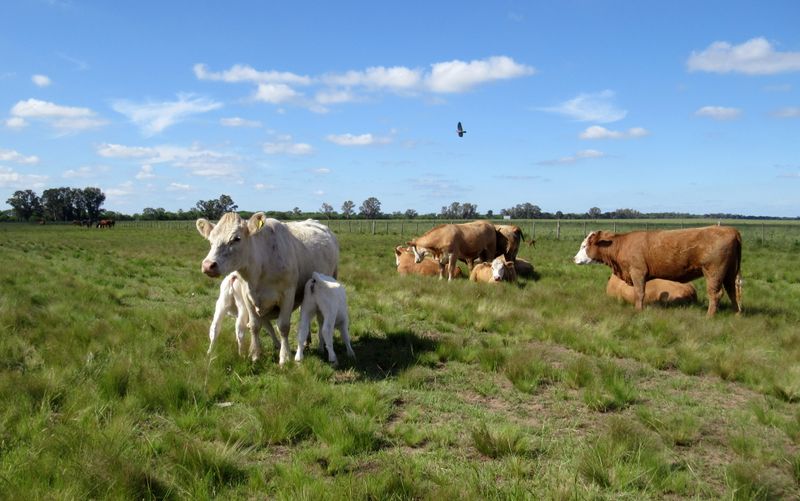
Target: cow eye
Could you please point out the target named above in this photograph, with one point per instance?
(236, 239)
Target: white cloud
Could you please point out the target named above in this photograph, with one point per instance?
(9, 178)
(80, 173)
(718, 112)
(262, 186)
(396, 78)
(284, 146)
(788, 112)
(598, 132)
(275, 93)
(581, 155)
(154, 117)
(239, 122)
(16, 157)
(146, 172)
(66, 119)
(360, 140)
(322, 170)
(243, 73)
(590, 107)
(41, 80)
(178, 187)
(334, 97)
(319, 193)
(120, 151)
(198, 161)
(753, 57)
(460, 76)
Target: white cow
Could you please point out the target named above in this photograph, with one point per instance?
(326, 299)
(231, 301)
(275, 260)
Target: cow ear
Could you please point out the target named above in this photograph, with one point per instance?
(204, 226)
(256, 222)
(603, 239)
(398, 250)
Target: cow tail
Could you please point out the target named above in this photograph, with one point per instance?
(739, 272)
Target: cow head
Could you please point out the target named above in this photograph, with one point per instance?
(502, 269)
(399, 251)
(230, 242)
(419, 252)
(589, 253)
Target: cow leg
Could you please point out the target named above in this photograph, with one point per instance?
(320, 337)
(241, 324)
(255, 342)
(344, 328)
(303, 329)
(216, 322)
(284, 324)
(451, 266)
(327, 335)
(733, 286)
(638, 290)
(714, 291)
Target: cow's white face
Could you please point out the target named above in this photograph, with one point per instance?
(498, 269)
(582, 257)
(229, 243)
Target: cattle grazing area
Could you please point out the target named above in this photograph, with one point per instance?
(542, 388)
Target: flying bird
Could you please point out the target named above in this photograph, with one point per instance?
(460, 130)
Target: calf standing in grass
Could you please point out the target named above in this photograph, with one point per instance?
(498, 270)
(325, 298)
(232, 301)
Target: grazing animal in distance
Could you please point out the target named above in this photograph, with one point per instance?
(498, 270)
(657, 291)
(406, 265)
(448, 243)
(105, 223)
(275, 260)
(326, 299)
(713, 252)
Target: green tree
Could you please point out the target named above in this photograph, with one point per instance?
(327, 209)
(347, 208)
(25, 204)
(370, 208)
(92, 200)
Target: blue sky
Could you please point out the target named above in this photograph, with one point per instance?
(654, 106)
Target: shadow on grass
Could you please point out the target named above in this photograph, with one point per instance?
(381, 357)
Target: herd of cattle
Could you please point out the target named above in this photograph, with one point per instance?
(103, 223)
(271, 268)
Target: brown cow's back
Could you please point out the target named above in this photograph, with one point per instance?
(656, 291)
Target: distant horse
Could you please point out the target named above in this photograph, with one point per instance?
(106, 223)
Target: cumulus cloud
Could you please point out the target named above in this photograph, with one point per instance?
(460, 76)
(79, 173)
(598, 132)
(66, 119)
(262, 186)
(396, 78)
(197, 160)
(41, 80)
(275, 93)
(322, 170)
(178, 187)
(154, 117)
(284, 145)
(9, 178)
(146, 172)
(581, 155)
(239, 122)
(243, 73)
(788, 112)
(16, 157)
(753, 57)
(353, 140)
(590, 107)
(718, 112)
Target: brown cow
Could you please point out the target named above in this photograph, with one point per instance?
(656, 291)
(499, 270)
(523, 268)
(713, 252)
(448, 243)
(404, 259)
(509, 237)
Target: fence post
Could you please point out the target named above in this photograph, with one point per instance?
(615, 226)
(373, 227)
(533, 229)
(584, 227)
(558, 230)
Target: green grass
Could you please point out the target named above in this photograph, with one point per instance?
(544, 389)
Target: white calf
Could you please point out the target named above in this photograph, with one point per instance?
(325, 298)
(231, 300)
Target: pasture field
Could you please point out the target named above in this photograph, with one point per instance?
(544, 389)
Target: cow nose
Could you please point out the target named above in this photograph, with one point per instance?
(210, 268)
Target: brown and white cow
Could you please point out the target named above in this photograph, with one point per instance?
(656, 291)
(499, 270)
(448, 243)
(713, 252)
(275, 260)
(406, 265)
(509, 238)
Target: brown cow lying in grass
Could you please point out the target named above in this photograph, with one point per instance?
(404, 259)
(523, 268)
(499, 270)
(713, 252)
(448, 243)
(657, 291)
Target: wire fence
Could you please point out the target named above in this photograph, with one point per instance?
(538, 229)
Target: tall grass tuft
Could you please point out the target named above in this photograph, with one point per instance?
(501, 441)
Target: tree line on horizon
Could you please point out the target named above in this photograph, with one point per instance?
(75, 204)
